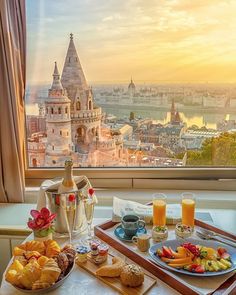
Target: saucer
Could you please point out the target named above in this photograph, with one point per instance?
(120, 234)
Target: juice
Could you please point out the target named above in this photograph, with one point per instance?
(159, 212)
(188, 210)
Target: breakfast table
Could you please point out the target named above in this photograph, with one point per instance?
(83, 283)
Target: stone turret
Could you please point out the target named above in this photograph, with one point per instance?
(58, 123)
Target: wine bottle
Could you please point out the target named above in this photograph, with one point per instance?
(68, 184)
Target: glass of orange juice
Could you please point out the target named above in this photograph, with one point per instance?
(159, 209)
(188, 209)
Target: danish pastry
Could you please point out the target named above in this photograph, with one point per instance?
(111, 270)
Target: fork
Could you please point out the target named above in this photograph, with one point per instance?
(209, 237)
(214, 234)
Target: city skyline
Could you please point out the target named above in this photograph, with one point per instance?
(170, 41)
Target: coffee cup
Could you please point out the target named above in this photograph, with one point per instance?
(142, 242)
(131, 224)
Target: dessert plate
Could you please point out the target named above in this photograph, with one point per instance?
(120, 234)
(176, 243)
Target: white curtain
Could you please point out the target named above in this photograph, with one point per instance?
(12, 89)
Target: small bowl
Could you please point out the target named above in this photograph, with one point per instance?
(49, 289)
(159, 233)
(183, 231)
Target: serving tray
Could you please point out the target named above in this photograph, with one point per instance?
(101, 231)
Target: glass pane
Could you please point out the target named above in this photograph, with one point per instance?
(131, 83)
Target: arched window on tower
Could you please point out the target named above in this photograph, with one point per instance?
(59, 111)
(69, 59)
(47, 110)
(90, 105)
(66, 110)
(51, 110)
(78, 105)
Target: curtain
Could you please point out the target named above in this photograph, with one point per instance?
(12, 89)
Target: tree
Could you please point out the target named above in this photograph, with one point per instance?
(218, 151)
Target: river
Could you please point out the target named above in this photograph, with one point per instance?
(190, 117)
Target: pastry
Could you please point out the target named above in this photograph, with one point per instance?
(49, 274)
(132, 275)
(52, 248)
(62, 261)
(40, 285)
(30, 254)
(30, 274)
(82, 252)
(43, 260)
(29, 246)
(13, 272)
(21, 259)
(111, 270)
(70, 253)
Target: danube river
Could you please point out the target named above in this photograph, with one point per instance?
(190, 117)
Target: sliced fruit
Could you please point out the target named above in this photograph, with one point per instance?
(199, 269)
(166, 252)
(184, 260)
(191, 267)
(221, 265)
(215, 265)
(177, 254)
(182, 251)
(159, 252)
(225, 256)
(226, 262)
(221, 250)
(197, 260)
(177, 265)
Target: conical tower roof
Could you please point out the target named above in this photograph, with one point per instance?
(73, 77)
(56, 83)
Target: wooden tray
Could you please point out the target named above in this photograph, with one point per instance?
(115, 283)
(229, 287)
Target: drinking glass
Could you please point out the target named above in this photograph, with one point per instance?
(89, 212)
(159, 209)
(188, 208)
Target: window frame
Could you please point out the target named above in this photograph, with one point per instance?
(168, 178)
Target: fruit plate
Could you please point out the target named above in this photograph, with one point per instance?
(49, 289)
(176, 243)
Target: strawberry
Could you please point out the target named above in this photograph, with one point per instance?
(166, 252)
(221, 250)
(199, 269)
(191, 267)
(225, 256)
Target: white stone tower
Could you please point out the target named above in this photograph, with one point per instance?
(85, 116)
(58, 123)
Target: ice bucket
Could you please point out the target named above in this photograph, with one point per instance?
(69, 209)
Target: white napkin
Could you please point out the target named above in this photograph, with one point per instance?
(53, 184)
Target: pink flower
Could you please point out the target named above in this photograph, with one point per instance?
(41, 219)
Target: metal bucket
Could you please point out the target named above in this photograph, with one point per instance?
(69, 209)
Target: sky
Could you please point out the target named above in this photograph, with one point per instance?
(150, 40)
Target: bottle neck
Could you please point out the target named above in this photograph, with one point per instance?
(68, 179)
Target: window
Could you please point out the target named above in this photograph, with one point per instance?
(166, 115)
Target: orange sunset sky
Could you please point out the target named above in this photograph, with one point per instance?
(152, 41)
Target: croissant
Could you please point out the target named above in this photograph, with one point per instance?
(111, 270)
(52, 248)
(29, 246)
(43, 260)
(21, 259)
(13, 272)
(30, 274)
(50, 273)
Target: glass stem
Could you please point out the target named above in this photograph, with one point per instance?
(89, 230)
